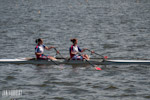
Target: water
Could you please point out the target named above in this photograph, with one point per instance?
(114, 28)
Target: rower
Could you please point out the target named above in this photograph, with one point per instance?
(75, 49)
(39, 50)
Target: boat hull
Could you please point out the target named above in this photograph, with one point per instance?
(73, 62)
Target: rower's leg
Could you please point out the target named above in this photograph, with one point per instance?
(85, 57)
(52, 58)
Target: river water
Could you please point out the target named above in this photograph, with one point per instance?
(119, 29)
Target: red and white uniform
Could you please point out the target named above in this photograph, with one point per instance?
(40, 49)
(75, 56)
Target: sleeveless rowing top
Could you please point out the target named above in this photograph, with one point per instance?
(74, 49)
(39, 49)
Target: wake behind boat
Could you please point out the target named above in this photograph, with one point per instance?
(72, 62)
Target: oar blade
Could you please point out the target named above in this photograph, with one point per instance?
(98, 68)
(105, 57)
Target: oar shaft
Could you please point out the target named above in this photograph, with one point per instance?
(96, 53)
(97, 68)
(54, 62)
(59, 53)
(89, 63)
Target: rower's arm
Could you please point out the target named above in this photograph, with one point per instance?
(83, 49)
(48, 48)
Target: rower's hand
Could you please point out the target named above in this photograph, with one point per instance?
(92, 51)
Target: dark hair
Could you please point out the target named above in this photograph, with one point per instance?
(38, 40)
(73, 40)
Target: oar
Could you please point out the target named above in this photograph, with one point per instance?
(96, 67)
(103, 57)
(53, 61)
(59, 53)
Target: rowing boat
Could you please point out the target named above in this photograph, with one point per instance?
(50, 62)
(72, 62)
